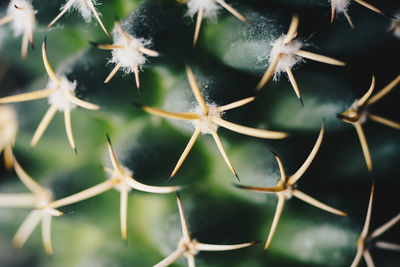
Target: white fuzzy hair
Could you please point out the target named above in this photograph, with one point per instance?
(23, 16)
(122, 186)
(59, 98)
(205, 123)
(288, 192)
(129, 55)
(82, 8)
(363, 114)
(210, 8)
(288, 58)
(341, 6)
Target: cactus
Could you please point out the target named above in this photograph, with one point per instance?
(206, 67)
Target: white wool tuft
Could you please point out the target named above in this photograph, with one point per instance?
(355, 110)
(210, 8)
(23, 16)
(125, 173)
(44, 199)
(191, 246)
(129, 55)
(288, 192)
(206, 125)
(341, 6)
(288, 58)
(82, 6)
(60, 98)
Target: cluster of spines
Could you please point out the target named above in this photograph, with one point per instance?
(286, 52)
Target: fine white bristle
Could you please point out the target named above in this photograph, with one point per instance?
(23, 16)
(341, 6)
(8, 125)
(129, 55)
(125, 173)
(205, 123)
(287, 51)
(210, 8)
(83, 8)
(60, 98)
(44, 199)
(288, 192)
